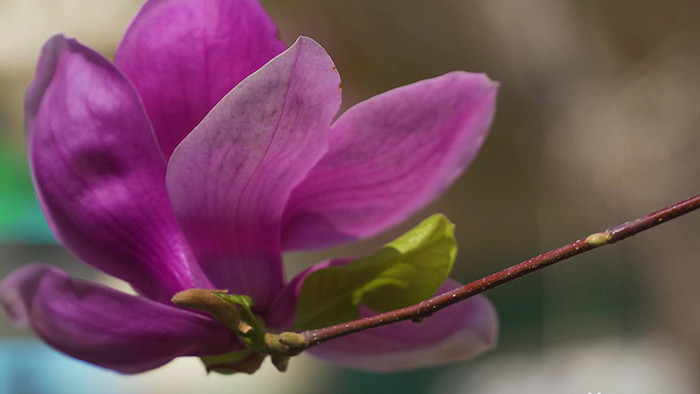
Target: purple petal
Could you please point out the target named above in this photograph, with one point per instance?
(231, 177)
(459, 332)
(99, 174)
(104, 326)
(183, 56)
(388, 157)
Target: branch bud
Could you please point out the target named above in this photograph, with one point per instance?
(598, 239)
(293, 340)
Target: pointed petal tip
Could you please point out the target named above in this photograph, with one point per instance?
(309, 44)
(302, 39)
(53, 49)
(11, 297)
(489, 81)
(307, 41)
(42, 77)
(478, 79)
(56, 38)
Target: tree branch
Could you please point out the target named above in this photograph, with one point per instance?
(426, 308)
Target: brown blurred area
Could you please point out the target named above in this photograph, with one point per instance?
(597, 123)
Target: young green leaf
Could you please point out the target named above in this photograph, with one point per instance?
(403, 272)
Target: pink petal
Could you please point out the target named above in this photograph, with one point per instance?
(459, 332)
(231, 177)
(106, 327)
(99, 174)
(388, 157)
(183, 56)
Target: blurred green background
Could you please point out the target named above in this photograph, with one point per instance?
(597, 123)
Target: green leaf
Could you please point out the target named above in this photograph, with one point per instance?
(403, 272)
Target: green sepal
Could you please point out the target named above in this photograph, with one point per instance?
(243, 301)
(403, 272)
(255, 338)
(245, 361)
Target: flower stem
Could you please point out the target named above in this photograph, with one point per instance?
(426, 308)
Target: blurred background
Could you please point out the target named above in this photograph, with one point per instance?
(597, 123)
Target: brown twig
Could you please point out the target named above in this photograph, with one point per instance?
(426, 308)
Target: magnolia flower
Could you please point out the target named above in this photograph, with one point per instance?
(202, 153)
